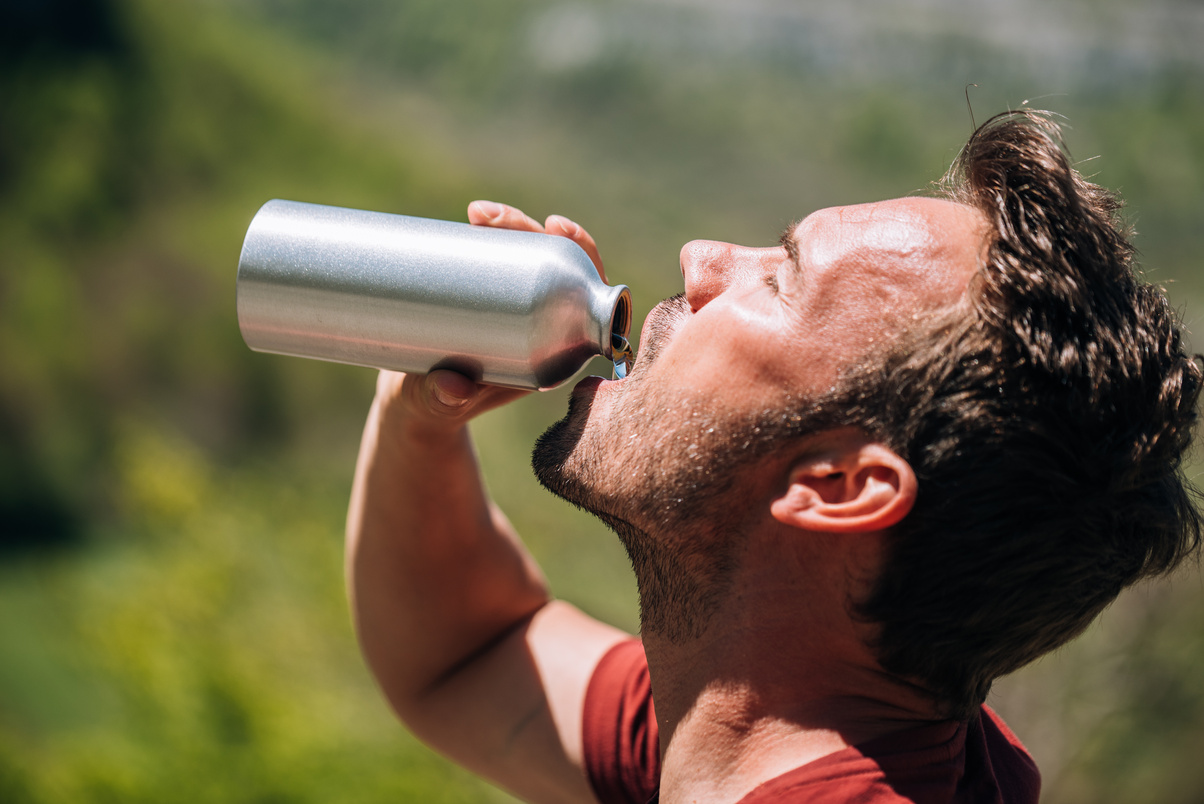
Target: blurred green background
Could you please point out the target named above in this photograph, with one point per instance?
(172, 620)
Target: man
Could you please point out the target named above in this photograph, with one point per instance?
(860, 475)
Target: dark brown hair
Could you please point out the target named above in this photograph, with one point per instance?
(1047, 429)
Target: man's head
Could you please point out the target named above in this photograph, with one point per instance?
(1046, 429)
(727, 375)
(996, 340)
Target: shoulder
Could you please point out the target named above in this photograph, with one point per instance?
(980, 762)
(620, 739)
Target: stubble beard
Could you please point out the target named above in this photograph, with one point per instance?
(675, 481)
(674, 519)
(666, 492)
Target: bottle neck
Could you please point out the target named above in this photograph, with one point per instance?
(611, 316)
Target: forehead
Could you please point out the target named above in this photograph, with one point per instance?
(923, 246)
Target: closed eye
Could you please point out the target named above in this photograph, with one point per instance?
(787, 242)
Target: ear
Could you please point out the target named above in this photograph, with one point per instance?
(860, 486)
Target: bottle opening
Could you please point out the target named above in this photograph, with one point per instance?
(621, 352)
(620, 322)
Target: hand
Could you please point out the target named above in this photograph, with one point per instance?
(500, 216)
(446, 400)
(440, 402)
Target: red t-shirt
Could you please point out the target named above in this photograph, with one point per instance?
(951, 762)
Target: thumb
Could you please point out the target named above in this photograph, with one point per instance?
(449, 393)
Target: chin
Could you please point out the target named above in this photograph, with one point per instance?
(554, 457)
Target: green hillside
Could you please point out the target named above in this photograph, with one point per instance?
(171, 601)
(171, 504)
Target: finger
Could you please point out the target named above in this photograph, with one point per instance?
(440, 397)
(455, 398)
(449, 393)
(560, 225)
(501, 216)
(450, 398)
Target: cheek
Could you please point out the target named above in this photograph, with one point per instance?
(728, 364)
(848, 320)
(854, 298)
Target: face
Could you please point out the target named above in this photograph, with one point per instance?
(664, 456)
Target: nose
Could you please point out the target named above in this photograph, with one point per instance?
(710, 268)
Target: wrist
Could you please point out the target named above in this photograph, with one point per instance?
(402, 424)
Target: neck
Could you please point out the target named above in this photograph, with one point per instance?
(777, 679)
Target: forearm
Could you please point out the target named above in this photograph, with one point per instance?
(435, 573)
(452, 612)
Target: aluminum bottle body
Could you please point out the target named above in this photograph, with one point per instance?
(520, 309)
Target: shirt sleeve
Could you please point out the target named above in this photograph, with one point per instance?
(619, 731)
(1007, 760)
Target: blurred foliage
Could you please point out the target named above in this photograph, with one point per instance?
(171, 504)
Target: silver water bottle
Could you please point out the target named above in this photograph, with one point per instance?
(520, 309)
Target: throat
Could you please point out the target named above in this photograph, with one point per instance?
(716, 755)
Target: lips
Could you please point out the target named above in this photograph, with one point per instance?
(588, 385)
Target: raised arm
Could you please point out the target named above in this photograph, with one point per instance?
(452, 613)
